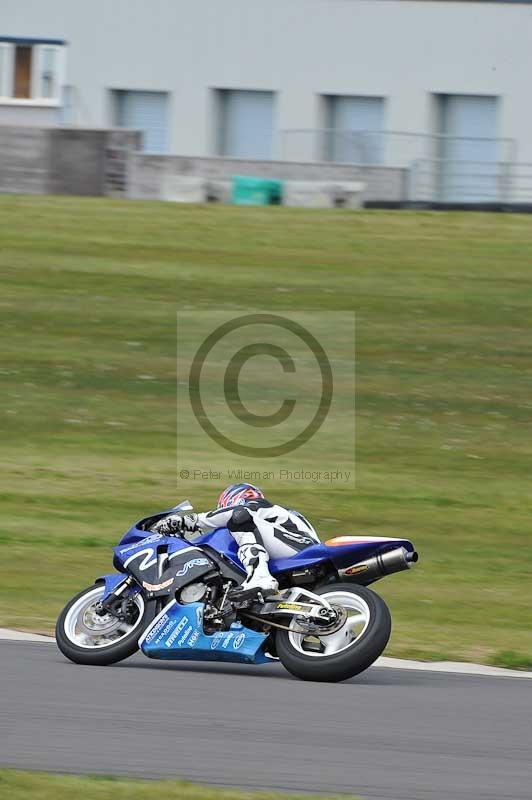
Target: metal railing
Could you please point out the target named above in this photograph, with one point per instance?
(520, 182)
(439, 167)
(386, 148)
(463, 181)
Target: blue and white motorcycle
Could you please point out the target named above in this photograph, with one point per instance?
(178, 599)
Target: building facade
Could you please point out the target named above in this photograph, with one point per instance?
(391, 82)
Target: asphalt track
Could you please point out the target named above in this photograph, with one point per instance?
(386, 735)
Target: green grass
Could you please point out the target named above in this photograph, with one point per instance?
(511, 660)
(88, 300)
(16, 785)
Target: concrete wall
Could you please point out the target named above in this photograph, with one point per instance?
(301, 49)
(24, 160)
(99, 162)
(150, 177)
(64, 160)
(40, 116)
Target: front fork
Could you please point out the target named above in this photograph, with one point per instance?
(118, 602)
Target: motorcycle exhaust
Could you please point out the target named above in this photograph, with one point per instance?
(380, 565)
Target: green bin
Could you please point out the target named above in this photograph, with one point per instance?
(248, 191)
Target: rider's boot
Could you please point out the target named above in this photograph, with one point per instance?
(255, 559)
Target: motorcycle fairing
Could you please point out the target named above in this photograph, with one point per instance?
(343, 555)
(222, 541)
(342, 551)
(137, 554)
(181, 563)
(177, 634)
(137, 533)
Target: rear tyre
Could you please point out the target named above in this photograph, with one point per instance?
(347, 652)
(87, 638)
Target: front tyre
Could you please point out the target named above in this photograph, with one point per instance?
(348, 651)
(85, 637)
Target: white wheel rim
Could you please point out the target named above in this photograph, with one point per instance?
(358, 618)
(84, 628)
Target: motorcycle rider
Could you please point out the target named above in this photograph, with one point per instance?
(261, 529)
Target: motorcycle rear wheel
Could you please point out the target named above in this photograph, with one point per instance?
(86, 638)
(349, 651)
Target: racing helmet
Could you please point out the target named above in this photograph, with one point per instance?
(239, 493)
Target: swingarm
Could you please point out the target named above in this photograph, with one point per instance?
(308, 612)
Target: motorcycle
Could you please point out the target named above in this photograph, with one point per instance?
(178, 599)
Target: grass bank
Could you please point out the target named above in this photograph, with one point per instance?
(15, 785)
(89, 293)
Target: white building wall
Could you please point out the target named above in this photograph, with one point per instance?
(397, 49)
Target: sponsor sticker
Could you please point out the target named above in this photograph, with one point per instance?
(175, 633)
(356, 569)
(156, 628)
(185, 636)
(239, 641)
(155, 587)
(148, 540)
(194, 638)
(290, 606)
(227, 640)
(216, 639)
(194, 562)
(199, 616)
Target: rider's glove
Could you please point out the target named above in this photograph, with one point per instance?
(176, 524)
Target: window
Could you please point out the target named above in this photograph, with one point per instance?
(469, 148)
(355, 129)
(245, 123)
(5, 71)
(30, 70)
(144, 111)
(48, 72)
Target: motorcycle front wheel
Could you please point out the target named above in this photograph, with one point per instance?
(347, 652)
(86, 637)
